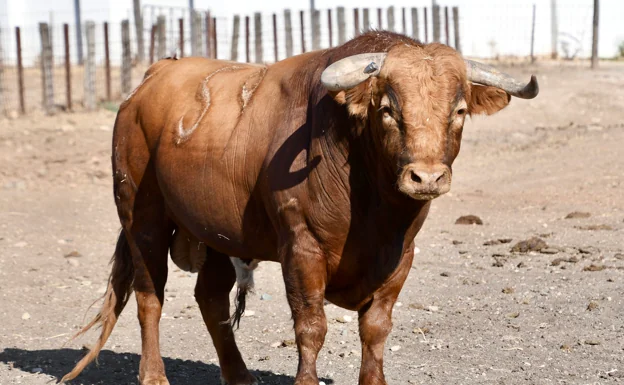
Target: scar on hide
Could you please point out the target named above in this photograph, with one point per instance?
(204, 94)
(250, 86)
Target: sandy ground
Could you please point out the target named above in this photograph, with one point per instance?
(470, 313)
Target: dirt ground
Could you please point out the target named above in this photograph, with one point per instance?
(472, 311)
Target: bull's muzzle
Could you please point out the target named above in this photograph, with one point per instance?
(424, 182)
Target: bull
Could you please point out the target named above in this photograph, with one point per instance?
(325, 162)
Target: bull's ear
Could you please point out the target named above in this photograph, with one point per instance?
(487, 100)
(357, 99)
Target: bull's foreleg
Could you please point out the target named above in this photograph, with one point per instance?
(215, 280)
(305, 275)
(375, 322)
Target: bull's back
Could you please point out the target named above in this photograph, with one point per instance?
(196, 117)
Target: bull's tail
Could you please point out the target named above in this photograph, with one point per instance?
(115, 299)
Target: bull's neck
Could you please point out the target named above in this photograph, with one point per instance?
(351, 157)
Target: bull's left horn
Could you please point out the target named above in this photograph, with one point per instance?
(489, 76)
(352, 70)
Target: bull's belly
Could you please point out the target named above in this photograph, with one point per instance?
(213, 204)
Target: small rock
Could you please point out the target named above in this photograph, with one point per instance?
(36, 370)
(508, 290)
(593, 267)
(249, 313)
(344, 332)
(433, 308)
(619, 256)
(592, 306)
(416, 306)
(73, 254)
(395, 348)
(344, 319)
(25, 316)
(494, 242)
(549, 250)
(577, 214)
(531, 244)
(457, 242)
(276, 344)
(592, 342)
(616, 374)
(595, 227)
(513, 315)
(85, 283)
(286, 343)
(469, 220)
(445, 274)
(266, 297)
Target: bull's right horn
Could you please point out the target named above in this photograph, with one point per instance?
(349, 72)
(489, 76)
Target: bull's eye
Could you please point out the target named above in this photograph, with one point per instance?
(386, 111)
(461, 111)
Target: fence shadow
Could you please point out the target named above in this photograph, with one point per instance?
(122, 368)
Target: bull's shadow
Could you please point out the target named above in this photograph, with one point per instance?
(122, 368)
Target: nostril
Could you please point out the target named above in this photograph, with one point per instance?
(440, 178)
(416, 178)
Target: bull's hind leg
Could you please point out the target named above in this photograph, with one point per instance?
(214, 283)
(142, 212)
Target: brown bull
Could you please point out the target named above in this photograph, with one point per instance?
(325, 162)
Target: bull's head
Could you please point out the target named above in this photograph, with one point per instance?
(415, 100)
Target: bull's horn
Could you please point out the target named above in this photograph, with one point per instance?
(352, 70)
(489, 76)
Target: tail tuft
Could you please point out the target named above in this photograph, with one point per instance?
(115, 299)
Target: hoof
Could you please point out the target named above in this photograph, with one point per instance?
(251, 381)
(155, 381)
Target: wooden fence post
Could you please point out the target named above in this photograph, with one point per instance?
(215, 45)
(415, 32)
(303, 47)
(435, 16)
(366, 19)
(161, 22)
(316, 29)
(446, 26)
(208, 23)
(181, 36)
(356, 21)
(68, 89)
(330, 27)
(342, 35)
(379, 21)
(138, 28)
(90, 96)
(247, 58)
(275, 46)
(533, 36)
(2, 109)
(595, 25)
(196, 31)
(46, 69)
(20, 70)
(152, 43)
(391, 18)
(126, 59)
(107, 66)
(403, 21)
(258, 37)
(456, 28)
(289, 33)
(554, 29)
(235, 34)
(426, 26)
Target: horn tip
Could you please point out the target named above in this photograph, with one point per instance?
(532, 89)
